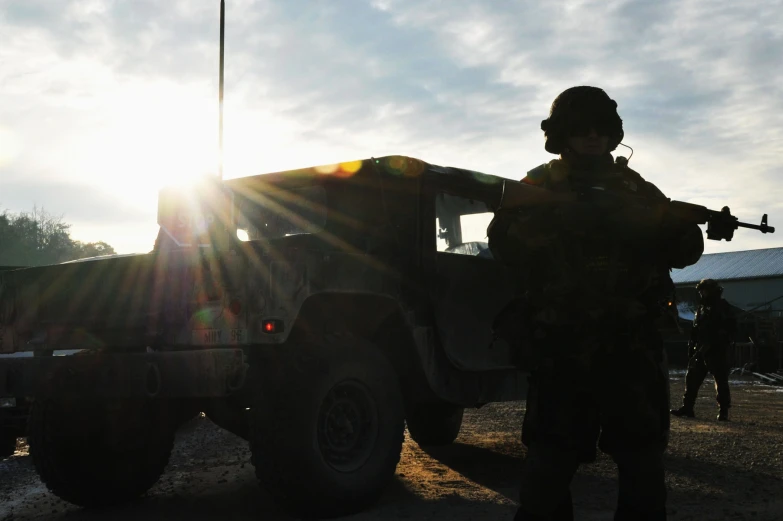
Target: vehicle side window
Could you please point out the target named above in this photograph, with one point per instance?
(461, 225)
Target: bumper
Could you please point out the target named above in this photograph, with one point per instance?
(181, 374)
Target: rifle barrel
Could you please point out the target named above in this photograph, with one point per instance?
(763, 228)
(725, 214)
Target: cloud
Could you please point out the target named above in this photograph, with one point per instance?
(461, 83)
(93, 214)
(74, 202)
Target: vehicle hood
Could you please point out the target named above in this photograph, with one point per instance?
(101, 257)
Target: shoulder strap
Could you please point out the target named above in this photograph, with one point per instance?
(648, 188)
(630, 172)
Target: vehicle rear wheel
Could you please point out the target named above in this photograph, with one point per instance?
(434, 424)
(7, 444)
(96, 454)
(327, 429)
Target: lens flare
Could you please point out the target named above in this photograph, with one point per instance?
(326, 169)
(404, 166)
(345, 169)
(351, 167)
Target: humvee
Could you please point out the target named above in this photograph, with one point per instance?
(13, 411)
(314, 313)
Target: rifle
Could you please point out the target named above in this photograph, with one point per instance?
(702, 349)
(720, 224)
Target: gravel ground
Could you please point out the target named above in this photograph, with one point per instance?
(715, 472)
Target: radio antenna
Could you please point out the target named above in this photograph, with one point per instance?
(629, 148)
(220, 86)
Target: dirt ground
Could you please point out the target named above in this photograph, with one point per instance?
(714, 472)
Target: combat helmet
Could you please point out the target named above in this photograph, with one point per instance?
(576, 109)
(709, 286)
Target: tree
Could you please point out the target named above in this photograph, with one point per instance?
(91, 249)
(39, 238)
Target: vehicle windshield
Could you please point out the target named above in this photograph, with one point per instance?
(281, 213)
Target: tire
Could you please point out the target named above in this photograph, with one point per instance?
(310, 450)
(81, 464)
(7, 444)
(434, 424)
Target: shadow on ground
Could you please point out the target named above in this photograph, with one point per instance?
(498, 468)
(209, 495)
(735, 491)
(222, 485)
(595, 495)
(495, 468)
(238, 499)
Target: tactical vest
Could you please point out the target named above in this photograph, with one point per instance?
(710, 319)
(575, 264)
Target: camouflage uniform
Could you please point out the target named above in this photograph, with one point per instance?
(596, 273)
(714, 327)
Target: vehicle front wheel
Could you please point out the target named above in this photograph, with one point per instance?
(327, 429)
(99, 454)
(434, 424)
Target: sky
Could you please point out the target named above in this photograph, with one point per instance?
(104, 102)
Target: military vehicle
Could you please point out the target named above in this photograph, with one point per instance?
(312, 312)
(13, 412)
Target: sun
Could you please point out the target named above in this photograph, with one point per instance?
(164, 134)
(158, 134)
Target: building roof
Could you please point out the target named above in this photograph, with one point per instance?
(735, 265)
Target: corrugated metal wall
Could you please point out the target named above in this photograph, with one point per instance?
(747, 294)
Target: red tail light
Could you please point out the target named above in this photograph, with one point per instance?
(272, 326)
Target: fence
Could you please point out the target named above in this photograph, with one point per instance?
(764, 348)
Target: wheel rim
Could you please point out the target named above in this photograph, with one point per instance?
(347, 426)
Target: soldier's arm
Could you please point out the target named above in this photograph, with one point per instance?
(694, 337)
(680, 243)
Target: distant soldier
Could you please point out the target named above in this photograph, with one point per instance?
(595, 268)
(714, 327)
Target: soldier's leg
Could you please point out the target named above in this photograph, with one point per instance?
(694, 377)
(545, 493)
(635, 422)
(719, 367)
(560, 430)
(642, 486)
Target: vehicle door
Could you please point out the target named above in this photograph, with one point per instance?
(470, 287)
